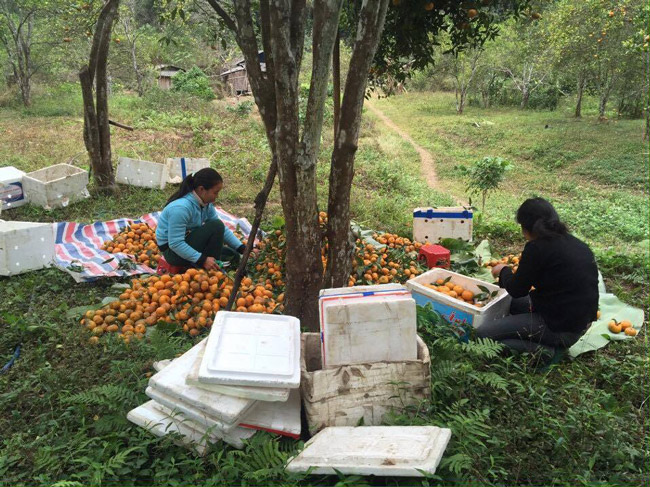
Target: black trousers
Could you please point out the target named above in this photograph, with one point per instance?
(526, 331)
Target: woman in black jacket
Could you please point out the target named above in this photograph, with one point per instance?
(563, 272)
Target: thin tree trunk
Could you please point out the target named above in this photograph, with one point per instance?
(340, 241)
(525, 95)
(581, 88)
(97, 132)
(260, 203)
(136, 70)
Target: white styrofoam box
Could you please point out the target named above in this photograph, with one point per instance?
(175, 167)
(401, 451)
(171, 381)
(372, 324)
(162, 421)
(248, 392)
(145, 174)
(25, 246)
(56, 186)
(454, 310)
(432, 224)
(252, 349)
(345, 395)
(11, 188)
(276, 417)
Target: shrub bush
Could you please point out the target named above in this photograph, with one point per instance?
(193, 82)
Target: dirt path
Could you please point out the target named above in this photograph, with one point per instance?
(427, 166)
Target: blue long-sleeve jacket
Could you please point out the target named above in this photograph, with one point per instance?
(184, 215)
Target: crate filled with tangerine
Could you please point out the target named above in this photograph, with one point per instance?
(460, 299)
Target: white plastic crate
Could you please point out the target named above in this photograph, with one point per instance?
(406, 451)
(258, 393)
(171, 382)
(433, 224)
(56, 186)
(179, 167)
(25, 246)
(454, 310)
(367, 324)
(145, 174)
(11, 188)
(252, 349)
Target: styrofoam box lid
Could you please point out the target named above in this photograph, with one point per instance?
(373, 450)
(379, 288)
(282, 418)
(356, 309)
(171, 381)
(469, 283)
(253, 349)
(443, 209)
(161, 421)
(191, 412)
(249, 392)
(10, 173)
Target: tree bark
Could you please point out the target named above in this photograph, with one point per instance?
(97, 132)
(339, 237)
(336, 77)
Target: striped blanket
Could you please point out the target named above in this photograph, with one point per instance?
(78, 246)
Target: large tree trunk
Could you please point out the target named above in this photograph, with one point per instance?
(297, 157)
(581, 88)
(97, 132)
(340, 242)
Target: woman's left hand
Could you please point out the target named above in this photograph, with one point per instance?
(496, 270)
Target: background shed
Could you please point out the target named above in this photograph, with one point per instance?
(165, 74)
(237, 78)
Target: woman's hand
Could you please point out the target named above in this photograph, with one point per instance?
(210, 264)
(496, 270)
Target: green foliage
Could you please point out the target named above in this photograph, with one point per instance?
(242, 109)
(485, 175)
(193, 82)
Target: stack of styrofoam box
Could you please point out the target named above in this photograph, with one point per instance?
(368, 344)
(145, 174)
(25, 246)
(433, 224)
(453, 310)
(179, 167)
(244, 377)
(56, 186)
(11, 188)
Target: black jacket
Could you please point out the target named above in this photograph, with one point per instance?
(565, 276)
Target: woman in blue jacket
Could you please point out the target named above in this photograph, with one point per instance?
(189, 233)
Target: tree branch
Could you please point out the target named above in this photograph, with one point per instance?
(230, 23)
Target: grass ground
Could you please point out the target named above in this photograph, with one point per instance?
(63, 404)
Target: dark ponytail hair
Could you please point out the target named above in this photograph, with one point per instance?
(539, 218)
(206, 177)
